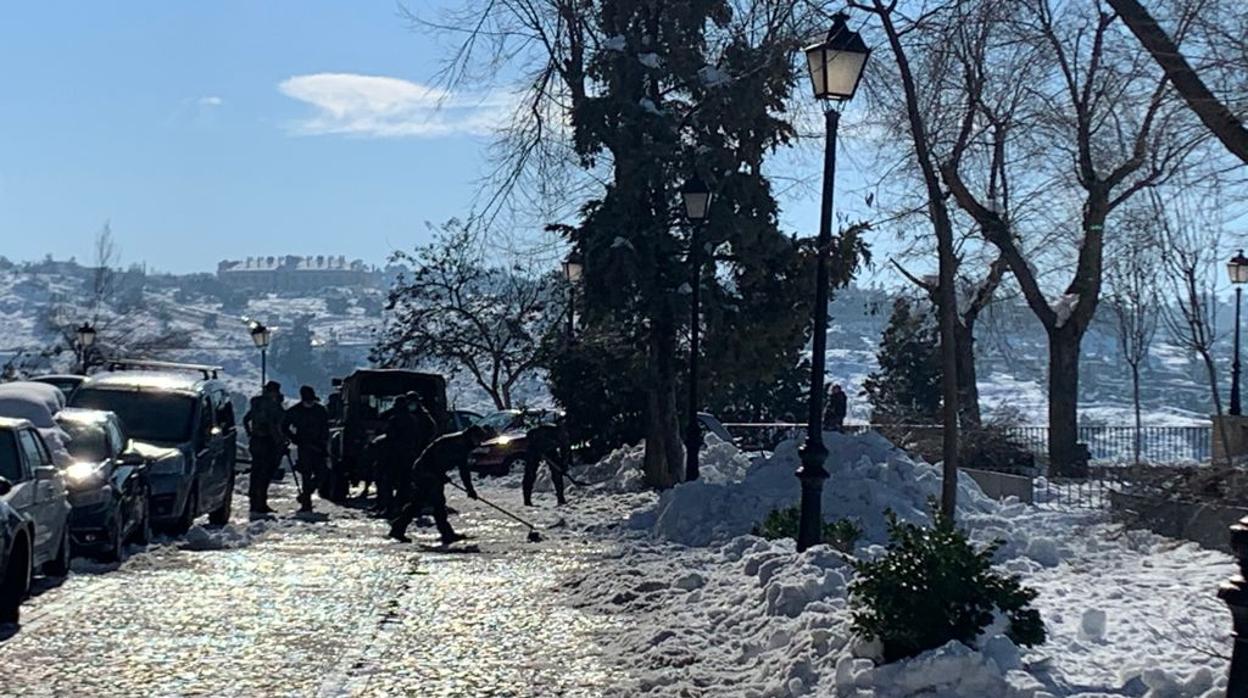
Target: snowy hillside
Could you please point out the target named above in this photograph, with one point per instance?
(1011, 347)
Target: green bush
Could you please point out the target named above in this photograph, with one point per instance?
(841, 534)
(931, 587)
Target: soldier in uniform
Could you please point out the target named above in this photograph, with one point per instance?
(307, 427)
(267, 438)
(429, 478)
(546, 442)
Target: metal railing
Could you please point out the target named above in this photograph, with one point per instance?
(1107, 444)
(1116, 444)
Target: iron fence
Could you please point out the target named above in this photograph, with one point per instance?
(1107, 444)
(1116, 444)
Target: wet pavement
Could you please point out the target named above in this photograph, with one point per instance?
(323, 606)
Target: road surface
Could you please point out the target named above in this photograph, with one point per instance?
(319, 607)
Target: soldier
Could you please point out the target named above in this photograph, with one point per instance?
(548, 442)
(425, 430)
(838, 407)
(395, 440)
(429, 478)
(263, 424)
(307, 426)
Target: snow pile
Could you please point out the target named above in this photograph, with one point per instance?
(709, 611)
(867, 475)
(227, 537)
(754, 618)
(622, 470)
(721, 461)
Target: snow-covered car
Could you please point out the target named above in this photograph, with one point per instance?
(38, 404)
(509, 442)
(36, 492)
(67, 383)
(107, 484)
(169, 407)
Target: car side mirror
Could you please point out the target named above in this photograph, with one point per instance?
(46, 472)
(5, 486)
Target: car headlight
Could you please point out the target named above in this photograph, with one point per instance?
(81, 476)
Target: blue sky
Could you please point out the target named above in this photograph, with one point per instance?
(228, 125)
(201, 130)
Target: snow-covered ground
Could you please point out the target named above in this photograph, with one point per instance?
(707, 609)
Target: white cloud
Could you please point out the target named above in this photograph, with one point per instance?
(385, 107)
(210, 101)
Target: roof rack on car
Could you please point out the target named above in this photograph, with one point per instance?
(147, 365)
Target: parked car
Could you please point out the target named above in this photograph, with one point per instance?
(462, 419)
(107, 483)
(509, 443)
(16, 565)
(38, 404)
(165, 406)
(65, 382)
(36, 492)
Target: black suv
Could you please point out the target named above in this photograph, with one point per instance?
(183, 425)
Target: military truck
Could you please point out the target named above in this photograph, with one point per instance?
(359, 407)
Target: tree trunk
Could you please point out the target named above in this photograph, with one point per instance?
(1064, 344)
(1212, 370)
(1135, 396)
(968, 390)
(664, 458)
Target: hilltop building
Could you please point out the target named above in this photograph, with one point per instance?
(294, 273)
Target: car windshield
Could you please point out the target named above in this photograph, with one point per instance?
(87, 440)
(148, 416)
(500, 420)
(10, 468)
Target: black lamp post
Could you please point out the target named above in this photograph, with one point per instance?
(86, 337)
(1237, 269)
(836, 65)
(261, 335)
(573, 269)
(697, 200)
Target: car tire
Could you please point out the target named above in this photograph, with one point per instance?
(15, 583)
(510, 463)
(116, 549)
(59, 565)
(221, 515)
(187, 518)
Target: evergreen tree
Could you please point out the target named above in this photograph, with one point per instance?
(906, 388)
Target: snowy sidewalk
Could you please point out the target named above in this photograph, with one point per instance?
(708, 610)
(309, 608)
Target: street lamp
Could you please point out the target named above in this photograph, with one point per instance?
(261, 335)
(573, 268)
(1237, 269)
(836, 65)
(86, 337)
(697, 199)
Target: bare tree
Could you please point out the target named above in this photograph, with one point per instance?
(896, 26)
(455, 311)
(1099, 126)
(112, 303)
(1214, 113)
(1190, 244)
(1133, 300)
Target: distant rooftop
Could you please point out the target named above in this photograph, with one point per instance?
(293, 263)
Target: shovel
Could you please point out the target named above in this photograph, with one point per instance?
(534, 536)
